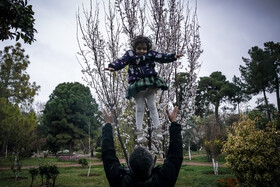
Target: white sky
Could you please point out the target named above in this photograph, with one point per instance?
(229, 28)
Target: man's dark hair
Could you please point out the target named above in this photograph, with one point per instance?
(141, 162)
(141, 39)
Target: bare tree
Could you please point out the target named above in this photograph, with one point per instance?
(175, 29)
(96, 50)
(172, 27)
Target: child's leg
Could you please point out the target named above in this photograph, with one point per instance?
(140, 103)
(151, 102)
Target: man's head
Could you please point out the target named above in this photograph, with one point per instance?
(141, 43)
(141, 162)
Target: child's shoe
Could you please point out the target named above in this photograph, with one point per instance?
(158, 134)
(140, 136)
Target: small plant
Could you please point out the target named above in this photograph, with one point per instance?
(83, 161)
(53, 172)
(16, 166)
(33, 172)
(50, 172)
(42, 171)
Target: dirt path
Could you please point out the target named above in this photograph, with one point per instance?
(121, 160)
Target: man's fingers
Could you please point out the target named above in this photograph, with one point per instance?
(167, 112)
(175, 110)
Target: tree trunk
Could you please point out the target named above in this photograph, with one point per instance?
(238, 108)
(266, 104)
(122, 145)
(277, 93)
(215, 166)
(189, 149)
(217, 113)
(119, 137)
(70, 150)
(3, 148)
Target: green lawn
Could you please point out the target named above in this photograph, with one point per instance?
(203, 159)
(72, 176)
(201, 176)
(193, 176)
(40, 161)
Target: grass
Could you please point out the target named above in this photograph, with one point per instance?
(200, 176)
(39, 161)
(203, 159)
(70, 177)
(193, 176)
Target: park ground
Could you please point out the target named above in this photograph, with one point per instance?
(194, 173)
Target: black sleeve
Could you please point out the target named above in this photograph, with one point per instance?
(120, 63)
(174, 158)
(111, 163)
(164, 57)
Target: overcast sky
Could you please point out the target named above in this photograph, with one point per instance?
(229, 28)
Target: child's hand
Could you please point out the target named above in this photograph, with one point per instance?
(173, 115)
(179, 55)
(110, 69)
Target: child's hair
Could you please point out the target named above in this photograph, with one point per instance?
(141, 39)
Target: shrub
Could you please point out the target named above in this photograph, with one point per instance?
(253, 155)
(33, 172)
(83, 161)
(50, 172)
(42, 171)
(53, 172)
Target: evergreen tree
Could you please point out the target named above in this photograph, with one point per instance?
(68, 114)
(273, 50)
(214, 89)
(258, 74)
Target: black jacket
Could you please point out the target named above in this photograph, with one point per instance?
(165, 175)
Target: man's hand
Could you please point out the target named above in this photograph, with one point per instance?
(173, 115)
(110, 69)
(108, 117)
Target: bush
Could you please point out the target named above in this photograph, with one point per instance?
(83, 161)
(33, 172)
(253, 155)
(49, 172)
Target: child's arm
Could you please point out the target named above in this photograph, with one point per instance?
(163, 57)
(129, 58)
(121, 62)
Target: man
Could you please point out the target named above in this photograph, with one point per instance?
(141, 170)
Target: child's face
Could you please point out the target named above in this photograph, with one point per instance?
(141, 49)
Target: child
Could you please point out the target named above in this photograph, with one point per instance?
(143, 80)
